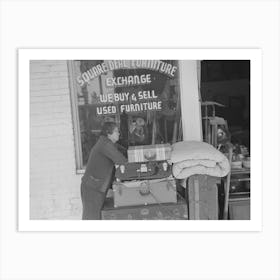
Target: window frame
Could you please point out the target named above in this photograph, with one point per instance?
(190, 114)
(80, 168)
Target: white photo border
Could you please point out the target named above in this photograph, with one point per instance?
(24, 57)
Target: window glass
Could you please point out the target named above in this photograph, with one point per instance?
(141, 96)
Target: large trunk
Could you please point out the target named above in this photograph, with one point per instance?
(144, 192)
(143, 170)
(166, 211)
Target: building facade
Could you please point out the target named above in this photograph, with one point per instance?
(55, 159)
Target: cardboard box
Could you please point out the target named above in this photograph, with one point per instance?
(203, 197)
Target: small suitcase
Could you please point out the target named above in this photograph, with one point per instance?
(145, 153)
(145, 192)
(166, 211)
(143, 170)
(202, 192)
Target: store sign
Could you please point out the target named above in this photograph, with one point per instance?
(129, 101)
(110, 65)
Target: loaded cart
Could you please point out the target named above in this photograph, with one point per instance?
(144, 188)
(163, 183)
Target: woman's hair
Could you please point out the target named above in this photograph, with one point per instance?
(108, 128)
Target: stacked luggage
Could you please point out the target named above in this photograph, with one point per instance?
(146, 182)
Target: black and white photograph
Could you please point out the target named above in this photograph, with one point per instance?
(141, 139)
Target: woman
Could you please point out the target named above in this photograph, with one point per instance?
(97, 178)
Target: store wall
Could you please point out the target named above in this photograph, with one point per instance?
(54, 185)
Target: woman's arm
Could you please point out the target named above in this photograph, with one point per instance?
(111, 151)
(122, 149)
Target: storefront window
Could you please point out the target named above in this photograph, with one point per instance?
(141, 96)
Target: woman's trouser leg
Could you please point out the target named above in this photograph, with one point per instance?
(92, 201)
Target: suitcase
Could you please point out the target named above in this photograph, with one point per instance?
(144, 192)
(166, 211)
(202, 196)
(149, 153)
(143, 170)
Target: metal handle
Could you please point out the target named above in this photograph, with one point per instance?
(144, 189)
(144, 192)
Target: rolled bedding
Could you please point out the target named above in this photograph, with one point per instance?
(195, 157)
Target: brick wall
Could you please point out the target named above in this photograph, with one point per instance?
(54, 184)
